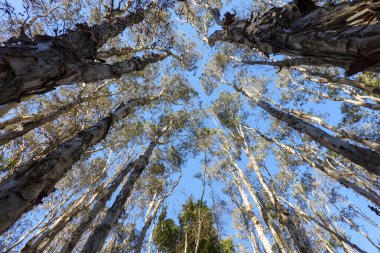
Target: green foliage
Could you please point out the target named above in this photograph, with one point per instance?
(227, 246)
(195, 221)
(166, 234)
(227, 108)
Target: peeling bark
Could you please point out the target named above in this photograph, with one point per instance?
(344, 35)
(36, 179)
(41, 66)
(47, 78)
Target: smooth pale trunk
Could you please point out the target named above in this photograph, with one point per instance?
(255, 221)
(329, 172)
(144, 230)
(368, 159)
(340, 131)
(343, 35)
(275, 230)
(298, 235)
(43, 240)
(36, 179)
(97, 238)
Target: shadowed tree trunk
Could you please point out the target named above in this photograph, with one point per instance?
(101, 201)
(367, 159)
(97, 238)
(34, 180)
(334, 174)
(344, 35)
(41, 65)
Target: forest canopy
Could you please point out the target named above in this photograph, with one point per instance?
(189, 126)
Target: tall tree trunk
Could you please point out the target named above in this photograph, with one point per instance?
(289, 220)
(42, 65)
(336, 175)
(151, 217)
(37, 245)
(199, 217)
(343, 35)
(255, 221)
(102, 198)
(34, 180)
(97, 238)
(367, 159)
(41, 242)
(148, 222)
(343, 133)
(295, 64)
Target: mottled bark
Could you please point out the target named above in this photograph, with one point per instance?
(43, 64)
(344, 35)
(367, 159)
(48, 78)
(343, 133)
(34, 180)
(255, 221)
(289, 220)
(102, 198)
(97, 238)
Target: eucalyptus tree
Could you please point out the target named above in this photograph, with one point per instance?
(163, 188)
(166, 130)
(254, 90)
(36, 179)
(38, 64)
(332, 35)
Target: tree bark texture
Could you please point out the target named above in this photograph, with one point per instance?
(367, 159)
(34, 180)
(39, 66)
(99, 235)
(101, 201)
(344, 35)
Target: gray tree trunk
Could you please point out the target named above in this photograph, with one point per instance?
(97, 238)
(367, 159)
(104, 195)
(344, 35)
(34, 180)
(42, 65)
